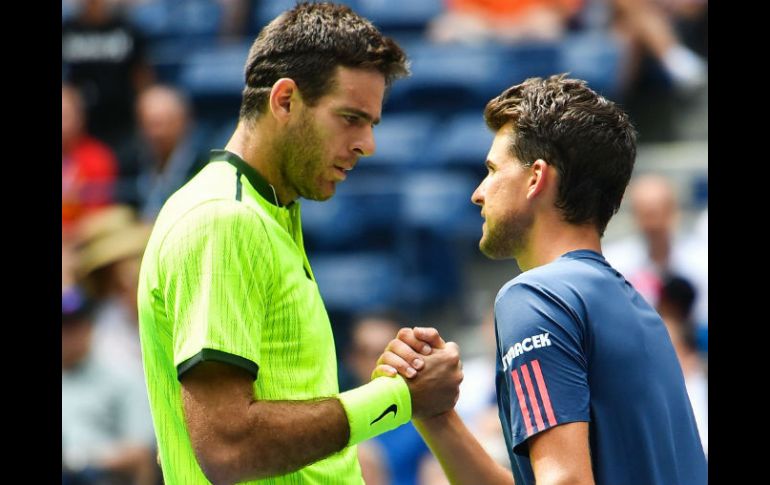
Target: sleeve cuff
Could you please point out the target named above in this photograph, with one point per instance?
(217, 356)
(519, 441)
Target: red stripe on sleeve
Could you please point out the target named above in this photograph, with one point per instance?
(543, 392)
(532, 397)
(522, 403)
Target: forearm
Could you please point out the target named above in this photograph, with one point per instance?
(461, 456)
(236, 437)
(275, 438)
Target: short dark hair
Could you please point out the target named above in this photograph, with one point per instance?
(307, 44)
(589, 140)
(678, 295)
(678, 292)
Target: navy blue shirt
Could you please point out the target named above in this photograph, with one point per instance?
(576, 342)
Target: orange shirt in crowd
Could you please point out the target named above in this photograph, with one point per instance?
(508, 9)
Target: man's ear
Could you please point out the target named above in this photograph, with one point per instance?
(540, 178)
(283, 93)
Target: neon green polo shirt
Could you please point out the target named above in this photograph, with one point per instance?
(225, 277)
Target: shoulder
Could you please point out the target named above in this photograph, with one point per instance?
(555, 292)
(549, 279)
(525, 297)
(215, 218)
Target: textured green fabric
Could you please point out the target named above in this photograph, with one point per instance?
(225, 277)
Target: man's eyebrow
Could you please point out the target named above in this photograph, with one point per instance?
(362, 114)
(489, 164)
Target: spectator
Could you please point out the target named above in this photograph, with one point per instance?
(111, 243)
(502, 20)
(649, 27)
(103, 55)
(164, 154)
(675, 307)
(88, 166)
(659, 247)
(107, 435)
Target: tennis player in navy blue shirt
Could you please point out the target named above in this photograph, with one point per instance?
(589, 387)
(577, 343)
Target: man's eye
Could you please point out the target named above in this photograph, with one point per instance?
(351, 119)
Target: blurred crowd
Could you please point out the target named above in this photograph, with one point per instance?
(131, 136)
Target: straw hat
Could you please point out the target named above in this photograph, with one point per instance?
(108, 237)
(102, 222)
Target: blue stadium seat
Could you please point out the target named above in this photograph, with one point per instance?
(196, 18)
(264, 12)
(452, 77)
(354, 282)
(441, 201)
(438, 219)
(528, 59)
(402, 140)
(445, 78)
(215, 71)
(177, 18)
(167, 57)
(363, 213)
(153, 18)
(400, 14)
(464, 140)
(595, 57)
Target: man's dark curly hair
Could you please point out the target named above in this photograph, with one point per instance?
(589, 140)
(307, 44)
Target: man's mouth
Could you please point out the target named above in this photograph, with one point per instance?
(341, 172)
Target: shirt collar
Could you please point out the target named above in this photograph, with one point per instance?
(260, 184)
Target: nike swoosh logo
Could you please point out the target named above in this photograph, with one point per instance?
(390, 409)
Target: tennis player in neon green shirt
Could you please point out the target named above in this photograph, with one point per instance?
(237, 345)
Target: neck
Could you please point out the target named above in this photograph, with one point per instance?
(550, 239)
(251, 141)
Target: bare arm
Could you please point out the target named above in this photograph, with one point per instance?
(560, 455)
(237, 438)
(462, 458)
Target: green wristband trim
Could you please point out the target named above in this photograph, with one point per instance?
(377, 407)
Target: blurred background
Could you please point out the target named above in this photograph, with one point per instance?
(150, 86)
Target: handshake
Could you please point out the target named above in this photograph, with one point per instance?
(431, 367)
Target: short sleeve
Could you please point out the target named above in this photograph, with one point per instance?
(544, 364)
(216, 267)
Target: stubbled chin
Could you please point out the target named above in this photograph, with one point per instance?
(325, 191)
(488, 249)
